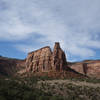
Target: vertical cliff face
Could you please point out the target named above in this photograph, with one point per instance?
(59, 58)
(40, 60)
(90, 68)
(44, 60)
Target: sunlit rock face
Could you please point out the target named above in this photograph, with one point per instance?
(90, 68)
(44, 60)
(39, 60)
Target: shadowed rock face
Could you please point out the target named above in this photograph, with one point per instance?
(44, 60)
(58, 58)
(9, 67)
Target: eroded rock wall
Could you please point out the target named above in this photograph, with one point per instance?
(44, 60)
(90, 68)
(58, 58)
(40, 60)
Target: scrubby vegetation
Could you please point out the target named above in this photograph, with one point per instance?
(71, 91)
(19, 89)
(90, 80)
(44, 88)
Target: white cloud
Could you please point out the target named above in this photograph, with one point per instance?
(73, 23)
(25, 48)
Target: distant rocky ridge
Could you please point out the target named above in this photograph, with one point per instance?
(9, 66)
(90, 68)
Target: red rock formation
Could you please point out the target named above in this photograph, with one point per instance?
(51, 63)
(44, 60)
(90, 68)
(39, 60)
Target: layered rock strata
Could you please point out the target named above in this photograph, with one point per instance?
(90, 68)
(44, 60)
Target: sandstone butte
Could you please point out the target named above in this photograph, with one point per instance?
(51, 63)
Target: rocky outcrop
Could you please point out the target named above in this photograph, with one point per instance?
(44, 60)
(90, 68)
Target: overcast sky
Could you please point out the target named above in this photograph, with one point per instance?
(27, 25)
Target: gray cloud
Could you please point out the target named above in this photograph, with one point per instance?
(74, 23)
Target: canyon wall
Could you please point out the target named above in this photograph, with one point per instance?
(90, 68)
